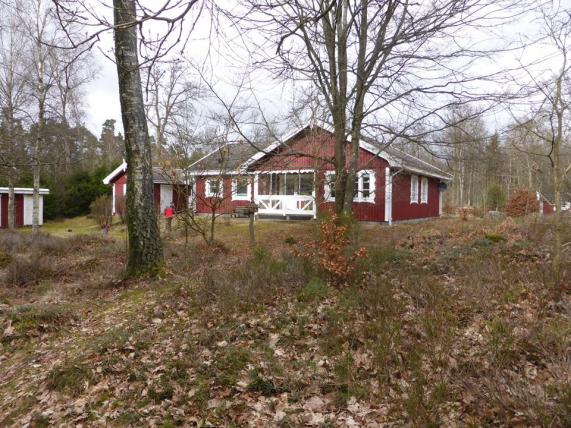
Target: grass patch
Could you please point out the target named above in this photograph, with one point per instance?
(316, 289)
(70, 379)
(31, 318)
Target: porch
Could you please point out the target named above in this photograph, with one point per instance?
(285, 193)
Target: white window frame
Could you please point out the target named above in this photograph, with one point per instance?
(424, 190)
(241, 197)
(414, 189)
(327, 188)
(358, 198)
(208, 193)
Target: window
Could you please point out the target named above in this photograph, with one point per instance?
(213, 187)
(363, 188)
(306, 184)
(424, 190)
(286, 184)
(329, 186)
(414, 189)
(365, 183)
(241, 188)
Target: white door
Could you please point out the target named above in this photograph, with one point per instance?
(166, 196)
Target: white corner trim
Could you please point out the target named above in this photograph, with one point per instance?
(388, 196)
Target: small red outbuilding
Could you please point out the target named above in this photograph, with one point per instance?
(23, 206)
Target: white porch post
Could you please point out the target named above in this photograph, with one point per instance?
(113, 200)
(388, 196)
(315, 195)
(440, 199)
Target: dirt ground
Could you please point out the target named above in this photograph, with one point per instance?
(444, 323)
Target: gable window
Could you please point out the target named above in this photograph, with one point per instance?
(414, 189)
(213, 188)
(424, 190)
(363, 187)
(240, 188)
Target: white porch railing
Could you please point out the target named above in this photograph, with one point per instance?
(286, 205)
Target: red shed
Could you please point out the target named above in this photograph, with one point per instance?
(23, 206)
(165, 186)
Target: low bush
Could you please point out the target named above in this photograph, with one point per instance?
(101, 211)
(521, 203)
(315, 289)
(255, 281)
(24, 271)
(332, 253)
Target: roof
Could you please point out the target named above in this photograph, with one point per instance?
(160, 175)
(395, 157)
(24, 190)
(228, 158)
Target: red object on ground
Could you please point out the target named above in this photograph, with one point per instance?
(169, 212)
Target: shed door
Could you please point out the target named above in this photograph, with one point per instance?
(166, 196)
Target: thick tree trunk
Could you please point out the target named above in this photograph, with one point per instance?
(145, 248)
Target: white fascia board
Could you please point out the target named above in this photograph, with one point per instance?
(24, 190)
(115, 172)
(282, 171)
(210, 172)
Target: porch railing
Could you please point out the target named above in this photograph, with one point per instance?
(286, 205)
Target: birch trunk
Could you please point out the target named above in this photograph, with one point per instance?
(36, 151)
(145, 248)
(11, 222)
(557, 181)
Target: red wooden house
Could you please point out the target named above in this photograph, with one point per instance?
(294, 177)
(23, 206)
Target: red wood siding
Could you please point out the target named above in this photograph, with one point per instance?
(302, 153)
(119, 183)
(548, 208)
(3, 210)
(403, 209)
(19, 210)
(204, 205)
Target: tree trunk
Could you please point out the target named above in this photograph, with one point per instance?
(11, 222)
(557, 183)
(145, 247)
(36, 151)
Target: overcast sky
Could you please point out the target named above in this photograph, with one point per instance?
(225, 62)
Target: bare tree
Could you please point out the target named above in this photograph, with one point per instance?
(553, 115)
(134, 50)
(13, 99)
(371, 62)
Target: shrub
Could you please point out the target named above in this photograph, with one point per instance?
(495, 197)
(521, 203)
(5, 259)
(23, 271)
(331, 253)
(315, 289)
(101, 211)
